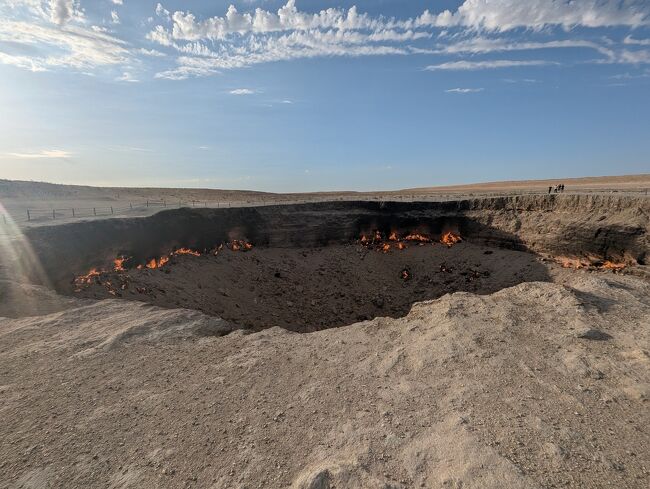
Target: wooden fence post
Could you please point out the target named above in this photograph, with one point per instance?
(73, 212)
(111, 210)
(28, 216)
(53, 214)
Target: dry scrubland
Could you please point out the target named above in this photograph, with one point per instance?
(540, 384)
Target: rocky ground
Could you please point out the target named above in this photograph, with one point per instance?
(308, 289)
(537, 385)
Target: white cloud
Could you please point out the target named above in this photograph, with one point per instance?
(72, 46)
(240, 39)
(151, 52)
(61, 11)
(637, 42)
(162, 12)
(127, 77)
(46, 153)
(242, 91)
(504, 15)
(464, 90)
(465, 65)
(58, 35)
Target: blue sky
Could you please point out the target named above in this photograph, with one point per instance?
(311, 95)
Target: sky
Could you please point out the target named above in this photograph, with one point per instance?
(308, 95)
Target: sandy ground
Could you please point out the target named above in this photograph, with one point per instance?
(539, 385)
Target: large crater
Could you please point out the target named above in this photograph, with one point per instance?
(308, 270)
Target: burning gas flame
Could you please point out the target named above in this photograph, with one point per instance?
(88, 278)
(118, 264)
(420, 238)
(376, 242)
(240, 245)
(153, 263)
(574, 263)
(450, 239)
(615, 267)
(186, 251)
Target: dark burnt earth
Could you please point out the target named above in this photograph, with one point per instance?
(308, 289)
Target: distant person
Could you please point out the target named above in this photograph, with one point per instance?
(549, 190)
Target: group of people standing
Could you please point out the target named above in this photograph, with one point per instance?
(558, 189)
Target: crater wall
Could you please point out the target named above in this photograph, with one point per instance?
(591, 227)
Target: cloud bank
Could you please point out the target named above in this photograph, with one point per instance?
(477, 35)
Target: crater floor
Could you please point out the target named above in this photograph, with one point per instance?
(317, 288)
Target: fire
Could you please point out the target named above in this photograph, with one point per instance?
(119, 264)
(88, 278)
(615, 267)
(376, 241)
(153, 263)
(186, 251)
(240, 245)
(417, 237)
(574, 263)
(450, 239)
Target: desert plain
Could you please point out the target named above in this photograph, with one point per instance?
(322, 341)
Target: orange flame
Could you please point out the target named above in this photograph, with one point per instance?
(186, 251)
(240, 245)
(385, 248)
(417, 237)
(393, 236)
(615, 267)
(88, 278)
(574, 263)
(119, 264)
(401, 246)
(450, 239)
(153, 263)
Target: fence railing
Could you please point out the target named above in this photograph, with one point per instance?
(123, 208)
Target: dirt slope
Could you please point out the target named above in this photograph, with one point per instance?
(539, 385)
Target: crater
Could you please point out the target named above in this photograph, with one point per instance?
(315, 266)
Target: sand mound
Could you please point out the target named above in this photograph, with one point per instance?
(494, 391)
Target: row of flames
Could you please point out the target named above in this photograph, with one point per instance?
(577, 263)
(119, 264)
(376, 240)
